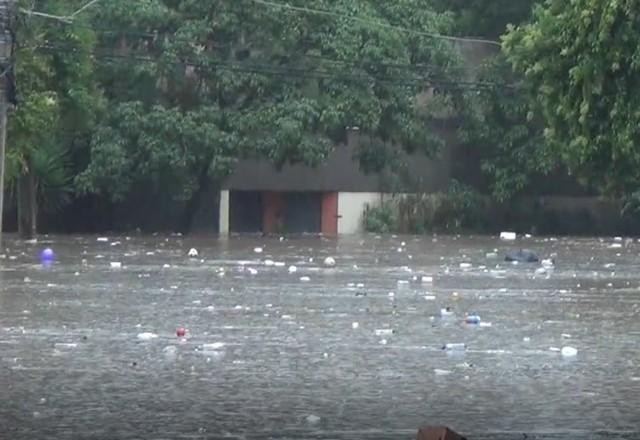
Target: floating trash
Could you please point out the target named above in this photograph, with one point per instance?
(454, 346)
(193, 253)
(355, 325)
(384, 332)
(305, 279)
(569, 351)
(312, 419)
(258, 250)
(269, 263)
(466, 265)
(293, 269)
(472, 319)
(181, 332)
(440, 372)
(47, 256)
(446, 312)
(147, 336)
(252, 271)
(102, 240)
(213, 346)
(115, 265)
(509, 236)
(329, 262)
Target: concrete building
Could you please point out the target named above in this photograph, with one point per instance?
(330, 199)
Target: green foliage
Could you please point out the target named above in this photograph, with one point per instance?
(57, 102)
(581, 58)
(504, 125)
(458, 209)
(487, 18)
(194, 86)
(382, 219)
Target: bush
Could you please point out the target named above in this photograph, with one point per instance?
(460, 208)
(381, 219)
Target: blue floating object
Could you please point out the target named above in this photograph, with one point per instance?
(47, 255)
(472, 319)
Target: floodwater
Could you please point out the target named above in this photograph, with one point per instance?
(272, 354)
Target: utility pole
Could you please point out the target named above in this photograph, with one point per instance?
(7, 8)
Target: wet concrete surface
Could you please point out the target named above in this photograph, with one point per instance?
(272, 355)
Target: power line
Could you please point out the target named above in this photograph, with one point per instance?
(63, 18)
(300, 73)
(374, 23)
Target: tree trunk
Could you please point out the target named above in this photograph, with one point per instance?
(27, 205)
(192, 205)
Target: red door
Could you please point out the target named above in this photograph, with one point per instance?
(330, 213)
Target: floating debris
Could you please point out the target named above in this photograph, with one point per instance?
(569, 351)
(384, 332)
(115, 265)
(147, 336)
(329, 262)
(508, 236)
(193, 253)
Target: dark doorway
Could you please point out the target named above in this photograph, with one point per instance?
(303, 213)
(245, 212)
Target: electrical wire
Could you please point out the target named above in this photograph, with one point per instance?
(296, 72)
(372, 22)
(62, 18)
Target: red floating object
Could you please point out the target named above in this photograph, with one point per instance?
(181, 332)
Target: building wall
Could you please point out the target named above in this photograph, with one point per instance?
(351, 208)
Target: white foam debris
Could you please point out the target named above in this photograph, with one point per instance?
(509, 236)
(569, 351)
(166, 266)
(425, 279)
(213, 346)
(293, 269)
(279, 264)
(429, 298)
(329, 262)
(258, 250)
(383, 342)
(193, 253)
(115, 265)
(269, 263)
(617, 238)
(312, 419)
(252, 271)
(102, 240)
(355, 325)
(65, 345)
(466, 265)
(440, 372)
(305, 279)
(615, 245)
(383, 332)
(147, 336)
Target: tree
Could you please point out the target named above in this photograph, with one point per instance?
(503, 123)
(55, 110)
(194, 86)
(582, 59)
(487, 18)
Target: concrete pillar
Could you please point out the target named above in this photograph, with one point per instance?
(224, 212)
